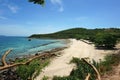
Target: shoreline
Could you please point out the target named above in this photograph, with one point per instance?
(66, 42)
(39, 53)
(42, 56)
(60, 66)
(22, 47)
(60, 57)
(50, 52)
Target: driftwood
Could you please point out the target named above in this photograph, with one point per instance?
(4, 57)
(6, 66)
(87, 77)
(98, 74)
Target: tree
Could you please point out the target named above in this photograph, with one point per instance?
(41, 2)
(107, 40)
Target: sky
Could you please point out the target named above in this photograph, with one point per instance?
(22, 18)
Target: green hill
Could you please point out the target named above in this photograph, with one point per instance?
(77, 33)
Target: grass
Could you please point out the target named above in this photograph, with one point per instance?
(20, 60)
(109, 62)
(45, 78)
(80, 73)
(82, 69)
(32, 69)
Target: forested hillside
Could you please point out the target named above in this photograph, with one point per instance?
(78, 33)
(100, 37)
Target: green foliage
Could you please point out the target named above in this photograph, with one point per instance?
(118, 40)
(22, 72)
(64, 78)
(79, 33)
(106, 65)
(26, 71)
(105, 39)
(82, 68)
(101, 37)
(41, 2)
(34, 67)
(45, 78)
(71, 33)
(109, 61)
(80, 73)
(20, 60)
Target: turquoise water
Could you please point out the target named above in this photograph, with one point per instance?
(21, 46)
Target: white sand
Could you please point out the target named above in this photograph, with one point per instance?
(60, 65)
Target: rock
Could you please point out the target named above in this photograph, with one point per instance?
(9, 74)
(36, 54)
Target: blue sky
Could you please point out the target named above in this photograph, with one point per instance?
(22, 18)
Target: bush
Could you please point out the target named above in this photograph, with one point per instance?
(106, 40)
(27, 71)
(45, 78)
(109, 61)
(80, 73)
(82, 69)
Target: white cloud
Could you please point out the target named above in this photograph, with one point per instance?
(2, 17)
(56, 1)
(59, 3)
(14, 9)
(9, 5)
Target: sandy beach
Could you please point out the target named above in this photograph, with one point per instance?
(60, 66)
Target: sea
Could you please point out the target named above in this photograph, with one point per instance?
(22, 46)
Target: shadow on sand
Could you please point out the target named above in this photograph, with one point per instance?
(106, 48)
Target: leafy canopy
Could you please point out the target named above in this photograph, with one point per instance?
(41, 2)
(105, 39)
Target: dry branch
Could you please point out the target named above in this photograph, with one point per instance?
(6, 66)
(87, 77)
(4, 57)
(98, 74)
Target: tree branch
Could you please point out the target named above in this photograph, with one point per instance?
(87, 77)
(98, 74)
(4, 57)
(6, 66)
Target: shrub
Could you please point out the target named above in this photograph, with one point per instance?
(45, 78)
(80, 73)
(109, 61)
(82, 69)
(105, 40)
(34, 67)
